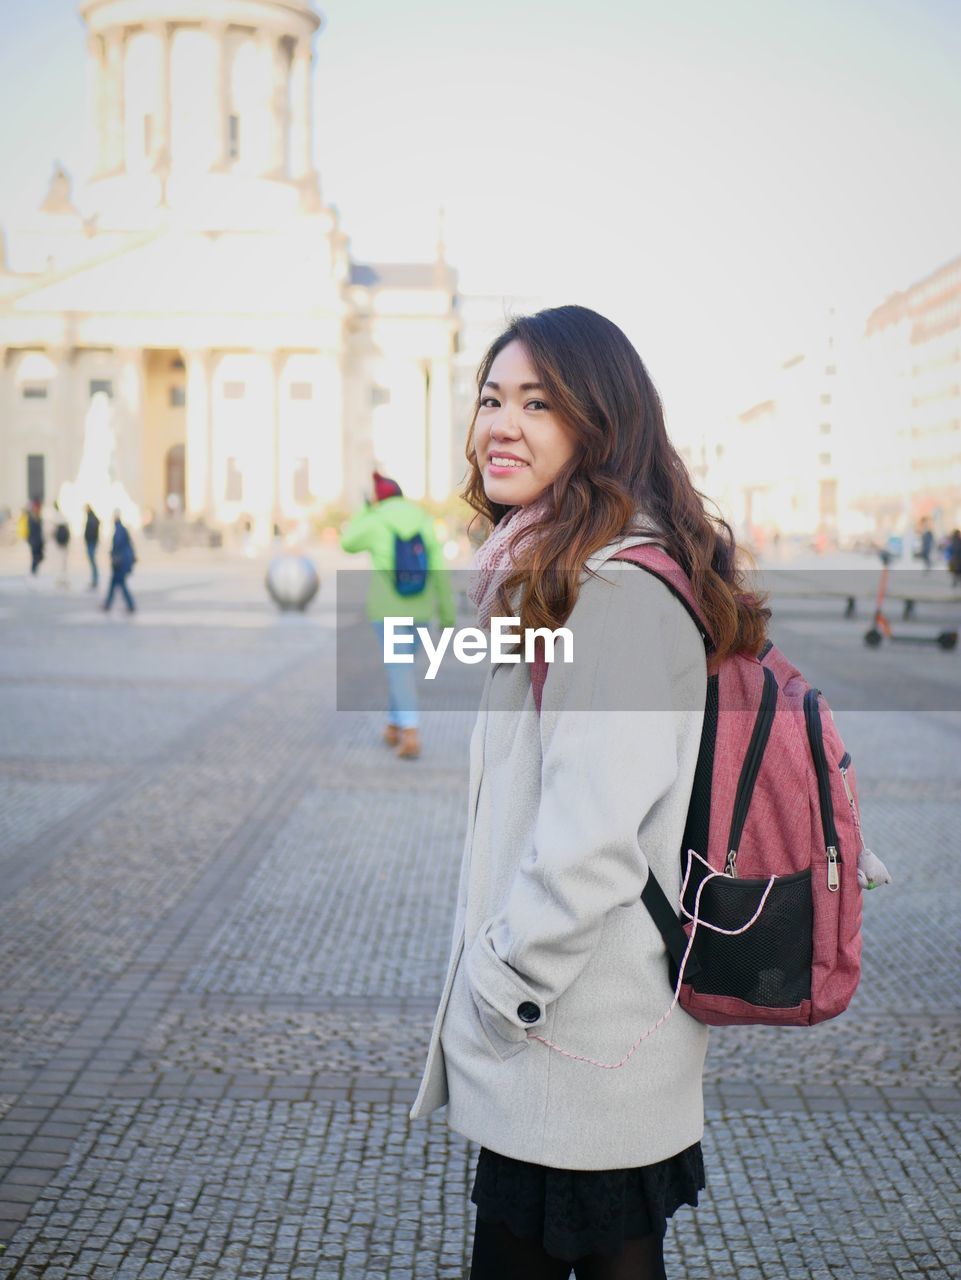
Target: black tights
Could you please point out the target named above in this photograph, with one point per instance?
(500, 1255)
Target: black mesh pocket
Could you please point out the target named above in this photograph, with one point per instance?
(768, 965)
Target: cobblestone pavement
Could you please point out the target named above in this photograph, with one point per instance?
(225, 923)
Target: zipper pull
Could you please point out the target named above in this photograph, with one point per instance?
(834, 879)
(731, 865)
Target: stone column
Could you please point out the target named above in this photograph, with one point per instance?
(12, 477)
(327, 452)
(281, 99)
(129, 421)
(217, 34)
(70, 424)
(199, 435)
(114, 142)
(96, 100)
(439, 437)
(261, 449)
(277, 105)
(161, 150)
(264, 121)
(301, 124)
(276, 366)
(357, 421)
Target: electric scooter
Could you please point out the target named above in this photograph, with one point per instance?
(882, 627)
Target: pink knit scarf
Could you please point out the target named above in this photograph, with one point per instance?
(495, 558)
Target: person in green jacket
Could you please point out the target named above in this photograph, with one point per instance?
(374, 529)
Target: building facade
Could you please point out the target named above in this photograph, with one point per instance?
(911, 366)
(858, 436)
(194, 324)
(783, 464)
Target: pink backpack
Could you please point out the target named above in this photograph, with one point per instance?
(769, 929)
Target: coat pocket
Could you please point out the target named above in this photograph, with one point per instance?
(498, 1044)
(466, 1027)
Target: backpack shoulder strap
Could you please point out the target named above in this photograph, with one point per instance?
(657, 562)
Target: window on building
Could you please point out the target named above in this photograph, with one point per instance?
(826, 397)
(828, 497)
(148, 135)
(824, 459)
(36, 478)
(101, 384)
(178, 397)
(34, 391)
(235, 390)
(379, 395)
(824, 428)
(830, 369)
(302, 480)
(233, 137)
(301, 391)
(234, 488)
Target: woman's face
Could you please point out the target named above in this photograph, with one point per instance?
(516, 428)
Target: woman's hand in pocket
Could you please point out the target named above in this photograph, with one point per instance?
(503, 1047)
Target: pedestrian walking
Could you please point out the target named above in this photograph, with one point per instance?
(399, 536)
(91, 539)
(927, 544)
(122, 561)
(61, 536)
(35, 537)
(581, 1165)
(954, 557)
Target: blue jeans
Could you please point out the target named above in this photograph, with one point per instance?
(401, 679)
(92, 557)
(119, 580)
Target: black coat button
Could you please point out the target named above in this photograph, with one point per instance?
(528, 1011)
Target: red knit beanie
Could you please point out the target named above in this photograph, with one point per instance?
(384, 487)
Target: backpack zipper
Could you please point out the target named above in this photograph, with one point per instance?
(812, 718)
(749, 770)
(843, 766)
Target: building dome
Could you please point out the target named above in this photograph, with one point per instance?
(190, 94)
(100, 15)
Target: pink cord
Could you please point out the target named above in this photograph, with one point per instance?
(696, 922)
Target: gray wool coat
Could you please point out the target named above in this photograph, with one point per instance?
(566, 813)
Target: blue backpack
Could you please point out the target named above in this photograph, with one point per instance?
(410, 565)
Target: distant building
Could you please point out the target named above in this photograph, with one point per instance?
(859, 434)
(781, 464)
(912, 363)
(206, 289)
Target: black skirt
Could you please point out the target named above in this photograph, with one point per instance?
(574, 1212)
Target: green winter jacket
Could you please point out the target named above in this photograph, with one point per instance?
(372, 529)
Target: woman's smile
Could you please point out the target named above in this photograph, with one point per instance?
(502, 464)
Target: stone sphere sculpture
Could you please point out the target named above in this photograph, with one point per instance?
(292, 581)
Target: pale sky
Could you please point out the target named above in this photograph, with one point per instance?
(711, 174)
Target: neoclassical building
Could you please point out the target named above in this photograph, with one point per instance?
(197, 306)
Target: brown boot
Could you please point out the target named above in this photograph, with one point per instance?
(392, 735)
(409, 748)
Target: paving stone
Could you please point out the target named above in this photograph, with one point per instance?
(218, 969)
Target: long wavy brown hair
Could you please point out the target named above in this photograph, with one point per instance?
(623, 460)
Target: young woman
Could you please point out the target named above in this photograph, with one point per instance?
(589, 1140)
